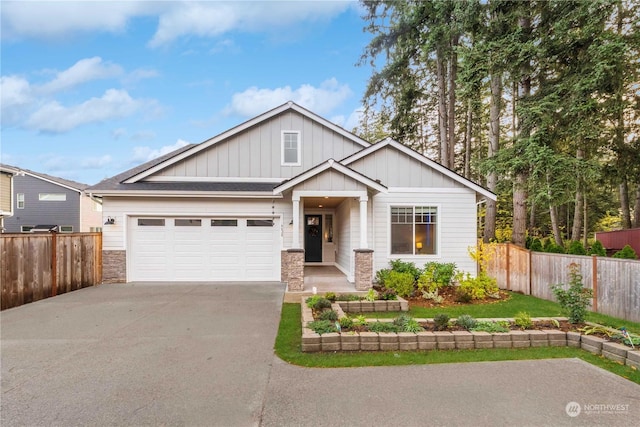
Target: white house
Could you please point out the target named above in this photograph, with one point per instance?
(280, 191)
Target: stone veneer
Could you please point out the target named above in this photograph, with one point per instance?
(292, 269)
(114, 266)
(364, 269)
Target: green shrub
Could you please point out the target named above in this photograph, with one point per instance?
(400, 266)
(382, 275)
(536, 245)
(388, 295)
(491, 327)
(402, 320)
(523, 320)
(318, 303)
(625, 253)
(441, 321)
(412, 326)
(382, 327)
(400, 282)
(331, 296)
(347, 297)
(436, 275)
(322, 326)
(463, 296)
(551, 247)
(360, 320)
(597, 249)
(466, 321)
(328, 315)
(576, 298)
(576, 248)
(312, 300)
(478, 287)
(346, 322)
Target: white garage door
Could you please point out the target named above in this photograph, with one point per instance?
(203, 249)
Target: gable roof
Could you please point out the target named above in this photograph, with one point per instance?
(329, 164)
(389, 142)
(67, 183)
(240, 128)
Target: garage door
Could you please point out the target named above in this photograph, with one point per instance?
(203, 249)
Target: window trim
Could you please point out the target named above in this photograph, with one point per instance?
(20, 200)
(298, 148)
(438, 223)
(30, 227)
(57, 197)
(64, 226)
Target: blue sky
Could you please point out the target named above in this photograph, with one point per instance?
(92, 88)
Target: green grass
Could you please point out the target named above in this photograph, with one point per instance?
(288, 348)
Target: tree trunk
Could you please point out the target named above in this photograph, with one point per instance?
(451, 127)
(578, 208)
(494, 145)
(520, 210)
(555, 226)
(624, 204)
(442, 111)
(467, 141)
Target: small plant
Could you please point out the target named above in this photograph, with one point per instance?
(412, 326)
(388, 295)
(360, 320)
(312, 300)
(491, 327)
(574, 300)
(382, 327)
(318, 304)
(625, 253)
(523, 320)
(597, 329)
(322, 326)
(347, 297)
(441, 321)
(400, 282)
(433, 296)
(463, 296)
(478, 287)
(597, 249)
(466, 321)
(400, 266)
(556, 324)
(402, 320)
(346, 322)
(372, 295)
(331, 296)
(406, 323)
(328, 315)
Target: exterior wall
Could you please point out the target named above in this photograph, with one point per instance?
(114, 266)
(456, 226)
(613, 241)
(256, 152)
(331, 180)
(90, 214)
(37, 212)
(348, 229)
(395, 169)
(5, 194)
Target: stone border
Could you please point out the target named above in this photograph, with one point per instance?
(362, 306)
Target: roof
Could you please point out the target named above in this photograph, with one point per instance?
(73, 185)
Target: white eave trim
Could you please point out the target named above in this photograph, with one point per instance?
(33, 175)
(330, 164)
(212, 179)
(191, 194)
(419, 157)
(242, 127)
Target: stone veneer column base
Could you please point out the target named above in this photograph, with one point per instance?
(114, 266)
(364, 269)
(292, 269)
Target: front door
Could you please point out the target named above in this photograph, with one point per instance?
(313, 238)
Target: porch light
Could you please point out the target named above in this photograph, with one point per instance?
(319, 206)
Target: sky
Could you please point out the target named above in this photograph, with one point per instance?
(89, 89)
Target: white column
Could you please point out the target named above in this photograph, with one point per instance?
(363, 223)
(296, 222)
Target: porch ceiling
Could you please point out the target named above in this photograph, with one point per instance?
(322, 202)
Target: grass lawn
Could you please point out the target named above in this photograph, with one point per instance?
(288, 344)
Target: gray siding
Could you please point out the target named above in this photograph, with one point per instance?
(37, 212)
(256, 152)
(395, 169)
(331, 180)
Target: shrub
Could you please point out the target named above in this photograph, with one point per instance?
(347, 297)
(328, 315)
(576, 248)
(402, 320)
(597, 249)
(436, 275)
(400, 266)
(551, 247)
(382, 275)
(523, 320)
(388, 295)
(318, 303)
(346, 322)
(478, 287)
(491, 327)
(574, 300)
(536, 245)
(466, 321)
(312, 300)
(463, 296)
(322, 326)
(331, 296)
(382, 327)
(625, 253)
(400, 282)
(441, 321)
(360, 320)
(412, 326)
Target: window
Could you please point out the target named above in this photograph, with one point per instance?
(259, 223)
(224, 222)
(291, 148)
(328, 222)
(151, 222)
(52, 197)
(20, 200)
(188, 222)
(26, 228)
(66, 228)
(413, 230)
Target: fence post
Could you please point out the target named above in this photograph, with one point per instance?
(594, 279)
(54, 265)
(529, 259)
(508, 267)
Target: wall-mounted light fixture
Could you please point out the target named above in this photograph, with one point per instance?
(110, 221)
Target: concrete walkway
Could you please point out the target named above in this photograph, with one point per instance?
(202, 355)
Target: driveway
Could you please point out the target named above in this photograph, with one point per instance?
(202, 355)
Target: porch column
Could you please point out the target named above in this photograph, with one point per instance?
(296, 222)
(363, 223)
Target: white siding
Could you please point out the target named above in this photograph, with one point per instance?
(344, 230)
(331, 180)
(456, 227)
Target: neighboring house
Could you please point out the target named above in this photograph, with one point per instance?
(43, 199)
(6, 193)
(282, 190)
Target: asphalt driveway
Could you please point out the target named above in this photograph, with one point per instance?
(202, 355)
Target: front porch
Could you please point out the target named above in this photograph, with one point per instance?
(324, 278)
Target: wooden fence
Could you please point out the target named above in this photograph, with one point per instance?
(37, 266)
(615, 282)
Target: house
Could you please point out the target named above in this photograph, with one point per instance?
(43, 199)
(6, 193)
(280, 191)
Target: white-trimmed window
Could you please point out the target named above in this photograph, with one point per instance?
(291, 151)
(20, 200)
(26, 228)
(52, 197)
(414, 230)
(66, 228)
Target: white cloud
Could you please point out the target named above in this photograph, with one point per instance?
(142, 135)
(140, 74)
(83, 71)
(118, 133)
(54, 117)
(15, 96)
(144, 154)
(321, 100)
(96, 162)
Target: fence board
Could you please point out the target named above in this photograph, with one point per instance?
(26, 270)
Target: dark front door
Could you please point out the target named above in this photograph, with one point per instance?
(313, 238)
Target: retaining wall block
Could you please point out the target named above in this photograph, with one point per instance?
(463, 339)
(380, 306)
(591, 344)
(445, 340)
(388, 341)
(633, 358)
(556, 338)
(404, 305)
(520, 339)
(482, 339)
(369, 341)
(353, 307)
(330, 341)
(501, 339)
(573, 339)
(407, 341)
(615, 351)
(538, 338)
(426, 340)
(366, 306)
(350, 342)
(393, 305)
(311, 342)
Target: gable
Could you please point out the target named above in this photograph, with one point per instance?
(331, 180)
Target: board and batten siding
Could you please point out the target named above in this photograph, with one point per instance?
(119, 208)
(456, 226)
(331, 180)
(257, 151)
(5, 192)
